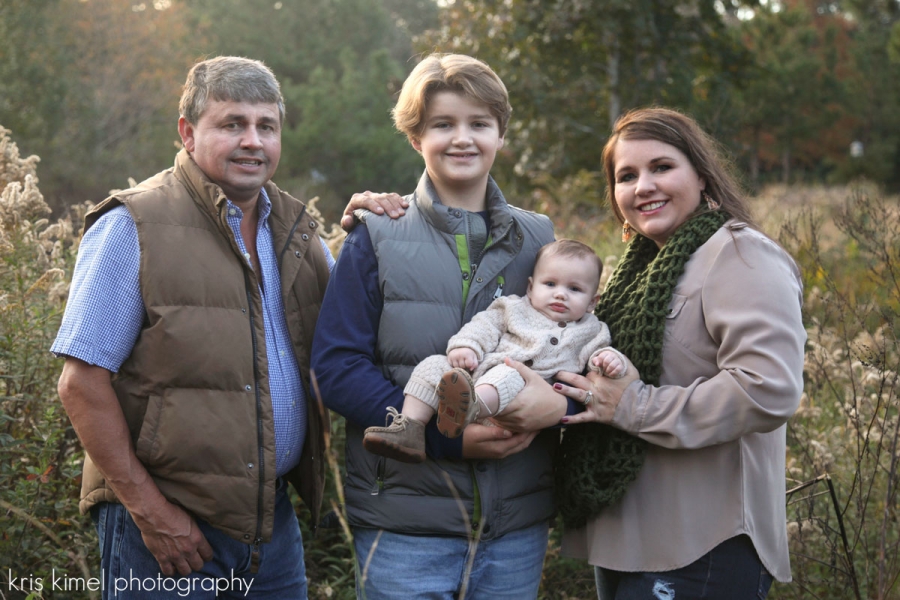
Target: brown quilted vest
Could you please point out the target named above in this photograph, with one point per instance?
(195, 389)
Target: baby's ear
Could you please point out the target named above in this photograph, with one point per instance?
(594, 302)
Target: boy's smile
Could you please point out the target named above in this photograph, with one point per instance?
(459, 143)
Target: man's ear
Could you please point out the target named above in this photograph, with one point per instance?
(186, 131)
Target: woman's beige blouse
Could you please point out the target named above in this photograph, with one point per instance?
(732, 374)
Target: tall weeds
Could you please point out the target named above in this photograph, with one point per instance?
(844, 439)
(844, 442)
(40, 469)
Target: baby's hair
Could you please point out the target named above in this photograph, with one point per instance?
(573, 248)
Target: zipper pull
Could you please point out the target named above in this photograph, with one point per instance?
(254, 556)
(379, 477)
(499, 291)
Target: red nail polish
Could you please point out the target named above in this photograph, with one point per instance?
(557, 386)
(564, 420)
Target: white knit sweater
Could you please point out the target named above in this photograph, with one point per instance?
(511, 327)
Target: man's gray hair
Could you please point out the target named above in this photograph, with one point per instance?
(229, 78)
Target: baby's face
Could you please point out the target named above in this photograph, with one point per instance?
(563, 288)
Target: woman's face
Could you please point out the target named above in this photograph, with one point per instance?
(656, 187)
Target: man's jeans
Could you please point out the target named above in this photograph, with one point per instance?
(410, 566)
(731, 570)
(130, 571)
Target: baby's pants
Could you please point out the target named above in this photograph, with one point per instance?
(426, 376)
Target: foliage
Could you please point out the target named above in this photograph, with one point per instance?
(91, 87)
(41, 465)
(845, 437)
(845, 434)
(788, 110)
(573, 67)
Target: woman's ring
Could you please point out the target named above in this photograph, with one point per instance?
(588, 398)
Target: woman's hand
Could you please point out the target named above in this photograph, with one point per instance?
(536, 407)
(600, 395)
(488, 442)
(392, 204)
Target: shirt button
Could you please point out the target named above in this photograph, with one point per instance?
(247, 255)
(304, 237)
(528, 363)
(313, 224)
(554, 341)
(249, 465)
(297, 253)
(248, 388)
(465, 276)
(232, 212)
(479, 279)
(562, 323)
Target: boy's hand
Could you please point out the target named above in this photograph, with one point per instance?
(463, 358)
(390, 203)
(483, 442)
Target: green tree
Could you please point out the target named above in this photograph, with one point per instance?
(341, 64)
(794, 93)
(573, 67)
(90, 87)
(876, 89)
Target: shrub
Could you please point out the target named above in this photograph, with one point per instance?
(40, 528)
(844, 441)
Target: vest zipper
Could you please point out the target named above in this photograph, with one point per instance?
(260, 496)
(379, 477)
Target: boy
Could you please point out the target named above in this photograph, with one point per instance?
(552, 329)
(399, 291)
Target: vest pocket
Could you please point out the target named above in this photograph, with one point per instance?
(144, 447)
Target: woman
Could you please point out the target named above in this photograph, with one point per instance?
(708, 309)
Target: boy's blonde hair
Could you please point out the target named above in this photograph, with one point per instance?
(449, 73)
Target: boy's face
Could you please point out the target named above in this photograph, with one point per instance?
(459, 143)
(564, 288)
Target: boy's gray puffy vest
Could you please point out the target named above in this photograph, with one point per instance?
(424, 271)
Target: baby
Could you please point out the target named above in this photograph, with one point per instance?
(551, 329)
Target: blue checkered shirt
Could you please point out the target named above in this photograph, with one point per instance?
(105, 312)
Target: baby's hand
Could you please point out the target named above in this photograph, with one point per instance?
(610, 364)
(463, 358)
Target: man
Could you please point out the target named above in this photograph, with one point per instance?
(187, 338)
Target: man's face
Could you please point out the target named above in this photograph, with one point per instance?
(237, 145)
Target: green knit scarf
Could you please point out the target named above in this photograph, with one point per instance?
(595, 463)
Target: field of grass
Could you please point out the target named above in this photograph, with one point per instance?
(843, 454)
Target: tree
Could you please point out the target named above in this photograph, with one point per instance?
(791, 111)
(341, 64)
(90, 86)
(573, 67)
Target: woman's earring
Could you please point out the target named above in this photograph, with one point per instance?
(627, 231)
(710, 203)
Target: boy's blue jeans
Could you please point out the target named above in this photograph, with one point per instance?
(434, 567)
(130, 571)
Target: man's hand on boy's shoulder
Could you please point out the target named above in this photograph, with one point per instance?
(378, 203)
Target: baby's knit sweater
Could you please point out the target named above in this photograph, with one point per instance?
(511, 327)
